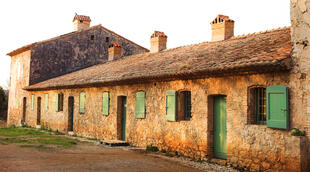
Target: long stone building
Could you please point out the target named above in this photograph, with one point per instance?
(236, 98)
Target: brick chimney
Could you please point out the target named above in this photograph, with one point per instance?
(222, 28)
(115, 51)
(158, 42)
(81, 22)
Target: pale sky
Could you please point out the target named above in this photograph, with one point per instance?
(184, 21)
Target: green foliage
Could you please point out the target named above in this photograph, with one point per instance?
(163, 151)
(152, 148)
(298, 132)
(3, 103)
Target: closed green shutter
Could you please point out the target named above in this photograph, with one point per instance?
(32, 101)
(82, 102)
(57, 102)
(277, 107)
(140, 104)
(171, 105)
(105, 103)
(46, 102)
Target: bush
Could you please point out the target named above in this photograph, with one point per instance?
(152, 148)
(298, 132)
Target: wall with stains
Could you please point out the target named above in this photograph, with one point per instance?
(75, 51)
(254, 147)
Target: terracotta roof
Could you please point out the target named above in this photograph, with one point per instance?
(115, 44)
(221, 17)
(81, 17)
(28, 47)
(158, 34)
(254, 53)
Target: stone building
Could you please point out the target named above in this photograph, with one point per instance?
(236, 98)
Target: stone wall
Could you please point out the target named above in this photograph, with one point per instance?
(300, 77)
(253, 147)
(73, 52)
(19, 78)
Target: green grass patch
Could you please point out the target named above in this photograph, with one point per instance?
(13, 131)
(32, 136)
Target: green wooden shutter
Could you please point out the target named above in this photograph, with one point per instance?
(32, 101)
(140, 104)
(57, 102)
(171, 105)
(82, 102)
(105, 103)
(46, 102)
(277, 107)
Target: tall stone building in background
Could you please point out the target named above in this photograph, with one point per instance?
(237, 98)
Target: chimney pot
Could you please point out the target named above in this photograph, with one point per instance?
(158, 41)
(81, 22)
(222, 28)
(115, 51)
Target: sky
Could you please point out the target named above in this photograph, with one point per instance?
(183, 21)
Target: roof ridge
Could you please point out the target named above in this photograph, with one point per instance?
(232, 38)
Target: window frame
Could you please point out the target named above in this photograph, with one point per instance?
(82, 110)
(184, 101)
(257, 105)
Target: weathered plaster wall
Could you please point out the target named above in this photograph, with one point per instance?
(300, 77)
(254, 147)
(76, 51)
(19, 78)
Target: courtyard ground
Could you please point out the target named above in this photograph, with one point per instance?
(25, 149)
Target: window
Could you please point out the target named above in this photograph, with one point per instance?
(269, 106)
(257, 106)
(140, 104)
(92, 37)
(105, 103)
(184, 105)
(107, 39)
(46, 101)
(18, 70)
(82, 102)
(59, 99)
(32, 102)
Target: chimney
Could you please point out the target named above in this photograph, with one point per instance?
(115, 51)
(222, 28)
(81, 22)
(158, 41)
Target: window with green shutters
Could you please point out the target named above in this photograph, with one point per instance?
(140, 104)
(59, 99)
(82, 102)
(105, 103)
(171, 105)
(46, 102)
(277, 107)
(32, 102)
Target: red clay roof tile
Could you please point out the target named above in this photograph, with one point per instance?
(254, 53)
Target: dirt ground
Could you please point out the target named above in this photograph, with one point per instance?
(83, 157)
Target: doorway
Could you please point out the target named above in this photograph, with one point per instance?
(24, 110)
(121, 117)
(70, 113)
(38, 110)
(220, 127)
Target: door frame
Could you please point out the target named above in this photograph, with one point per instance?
(70, 114)
(39, 111)
(121, 117)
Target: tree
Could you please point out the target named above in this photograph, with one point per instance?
(3, 103)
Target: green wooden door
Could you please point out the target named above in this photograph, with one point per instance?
(124, 118)
(220, 129)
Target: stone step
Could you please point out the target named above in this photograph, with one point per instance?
(114, 143)
(219, 161)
